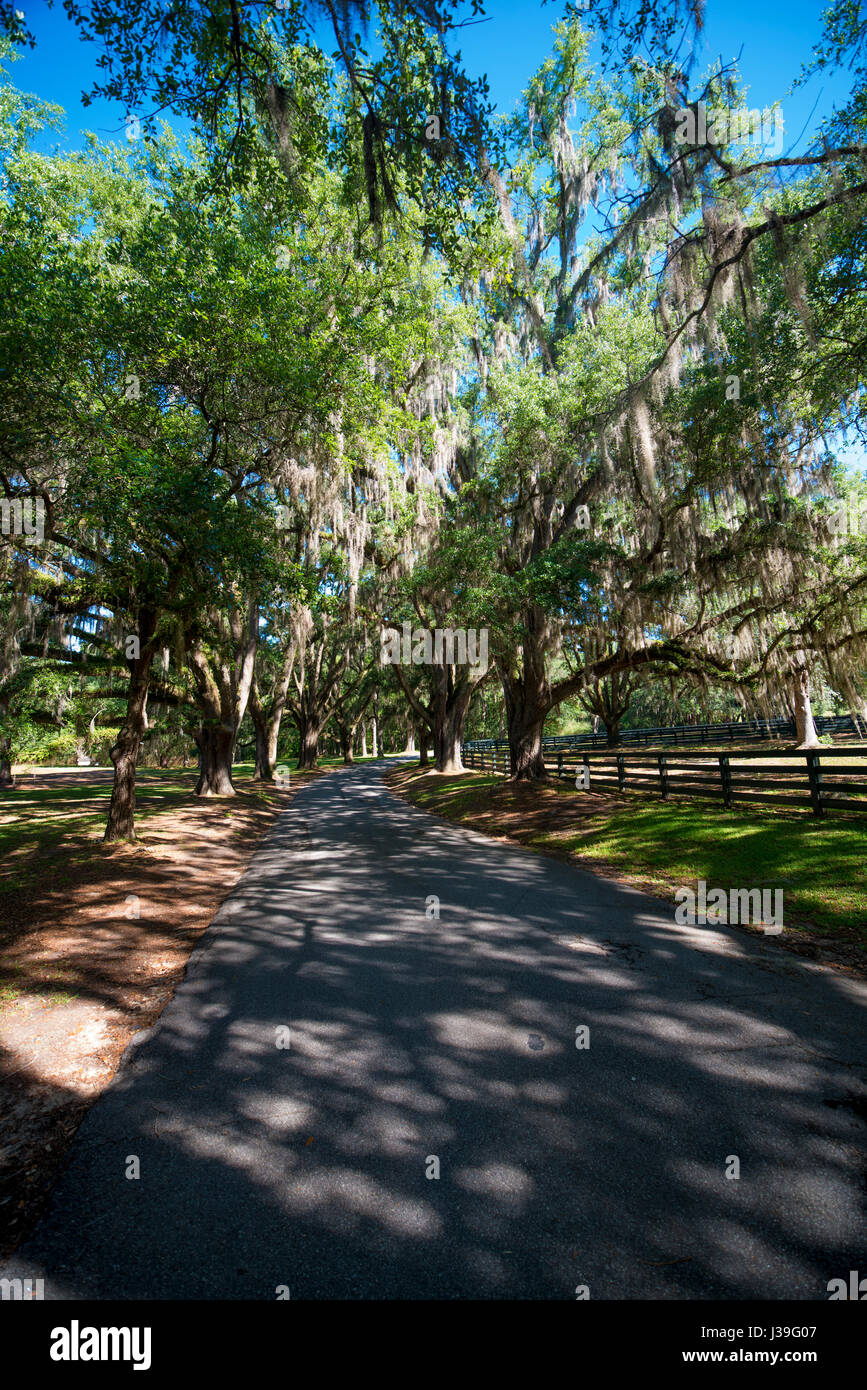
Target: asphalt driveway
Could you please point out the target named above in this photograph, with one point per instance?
(413, 1044)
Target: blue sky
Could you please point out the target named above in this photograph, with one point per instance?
(775, 38)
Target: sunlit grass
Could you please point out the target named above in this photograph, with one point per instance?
(820, 865)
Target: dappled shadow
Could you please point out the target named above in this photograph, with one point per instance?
(413, 1038)
(38, 1119)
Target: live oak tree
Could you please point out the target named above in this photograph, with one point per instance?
(244, 73)
(306, 377)
(578, 432)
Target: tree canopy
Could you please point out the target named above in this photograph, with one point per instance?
(353, 357)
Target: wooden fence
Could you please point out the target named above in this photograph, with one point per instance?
(818, 779)
(682, 735)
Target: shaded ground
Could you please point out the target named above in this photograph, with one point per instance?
(661, 846)
(93, 940)
(334, 1036)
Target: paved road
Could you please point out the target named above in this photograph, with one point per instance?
(413, 1039)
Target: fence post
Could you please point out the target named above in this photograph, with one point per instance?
(814, 772)
(559, 766)
(663, 776)
(725, 773)
(621, 771)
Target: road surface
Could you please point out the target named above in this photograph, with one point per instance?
(418, 1045)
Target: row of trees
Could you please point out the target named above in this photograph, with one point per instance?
(574, 378)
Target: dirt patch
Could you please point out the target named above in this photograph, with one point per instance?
(94, 939)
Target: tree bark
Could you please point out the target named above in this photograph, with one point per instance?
(449, 728)
(278, 706)
(805, 728)
(346, 734)
(527, 697)
(263, 770)
(6, 778)
(223, 692)
(525, 745)
(308, 748)
(612, 730)
(124, 754)
(445, 715)
(216, 745)
(526, 711)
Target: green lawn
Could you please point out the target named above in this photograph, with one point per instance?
(821, 866)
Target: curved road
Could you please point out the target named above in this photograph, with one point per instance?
(413, 1039)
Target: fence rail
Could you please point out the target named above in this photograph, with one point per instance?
(735, 731)
(817, 780)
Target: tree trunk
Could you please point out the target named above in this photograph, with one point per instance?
(804, 726)
(423, 760)
(525, 718)
(525, 747)
(449, 728)
(612, 729)
(346, 744)
(216, 745)
(263, 770)
(308, 747)
(410, 740)
(363, 739)
(6, 778)
(124, 754)
(373, 731)
(527, 698)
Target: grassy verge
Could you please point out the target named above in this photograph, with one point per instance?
(53, 821)
(661, 846)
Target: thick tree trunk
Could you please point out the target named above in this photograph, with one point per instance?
(449, 729)
(804, 726)
(525, 716)
(527, 699)
(124, 754)
(410, 740)
(6, 778)
(263, 770)
(423, 760)
(216, 745)
(612, 729)
(346, 744)
(308, 748)
(525, 747)
(363, 739)
(374, 732)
